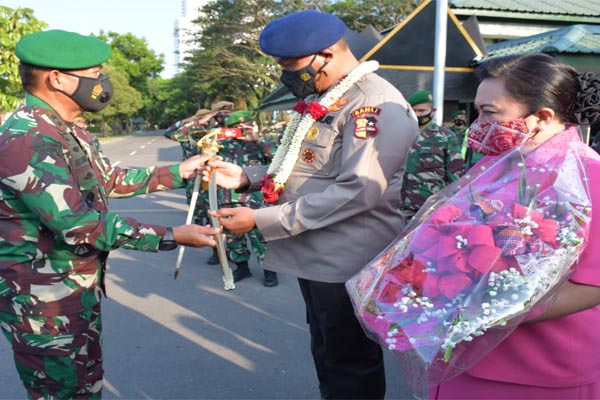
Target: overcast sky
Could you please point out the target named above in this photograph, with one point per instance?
(153, 20)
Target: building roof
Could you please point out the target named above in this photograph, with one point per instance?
(561, 10)
(568, 40)
(411, 44)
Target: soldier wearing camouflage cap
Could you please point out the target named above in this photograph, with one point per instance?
(434, 159)
(187, 132)
(222, 110)
(244, 150)
(461, 130)
(55, 224)
(459, 124)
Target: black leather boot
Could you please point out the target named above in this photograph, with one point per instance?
(214, 258)
(270, 279)
(242, 271)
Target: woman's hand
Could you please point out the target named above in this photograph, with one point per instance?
(570, 299)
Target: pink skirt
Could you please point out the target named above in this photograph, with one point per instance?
(468, 387)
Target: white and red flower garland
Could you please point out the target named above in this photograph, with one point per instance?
(305, 114)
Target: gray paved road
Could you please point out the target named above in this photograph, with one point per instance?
(189, 338)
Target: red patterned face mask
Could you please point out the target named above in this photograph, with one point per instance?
(496, 137)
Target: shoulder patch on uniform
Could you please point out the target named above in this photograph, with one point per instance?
(46, 148)
(365, 122)
(308, 155)
(366, 110)
(339, 103)
(313, 133)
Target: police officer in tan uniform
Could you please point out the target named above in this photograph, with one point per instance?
(346, 147)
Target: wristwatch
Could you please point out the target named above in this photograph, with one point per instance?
(167, 242)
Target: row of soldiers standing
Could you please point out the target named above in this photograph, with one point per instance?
(438, 155)
(240, 144)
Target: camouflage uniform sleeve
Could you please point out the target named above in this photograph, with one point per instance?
(120, 182)
(268, 143)
(455, 164)
(170, 132)
(189, 127)
(36, 169)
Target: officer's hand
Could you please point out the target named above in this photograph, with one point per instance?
(193, 165)
(195, 235)
(229, 176)
(238, 220)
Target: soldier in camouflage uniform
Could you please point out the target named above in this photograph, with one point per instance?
(269, 139)
(434, 159)
(187, 132)
(181, 130)
(460, 129)
(459, 125)
(244, 151)
(55, 226)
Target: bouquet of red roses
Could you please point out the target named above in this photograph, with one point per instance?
(480, 256)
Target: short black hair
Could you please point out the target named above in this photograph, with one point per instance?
(29, 76)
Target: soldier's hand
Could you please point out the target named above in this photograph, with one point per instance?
(230, 176)
(193, 165)
(195, 235)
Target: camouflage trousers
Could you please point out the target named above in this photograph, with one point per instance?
(57, 357)
(237, 246)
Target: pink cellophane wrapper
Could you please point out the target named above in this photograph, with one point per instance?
(486, 252)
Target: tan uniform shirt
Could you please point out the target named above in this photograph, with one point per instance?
(340, 206)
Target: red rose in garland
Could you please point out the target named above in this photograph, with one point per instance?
(270, 189)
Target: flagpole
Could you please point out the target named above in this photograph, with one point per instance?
(439, 67)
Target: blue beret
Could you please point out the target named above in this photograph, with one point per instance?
(61, 50)
(301, 33)
(422, 96)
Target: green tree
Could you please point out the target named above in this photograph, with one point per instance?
(14, 23)
(132, 57)
(228, 63)
(159, 109)
(381, 14)
(140, 65)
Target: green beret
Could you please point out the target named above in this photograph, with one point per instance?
(62, 50)
(237, 117)
(422, 96)
(457, 113)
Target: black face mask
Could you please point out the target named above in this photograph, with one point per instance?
(302, 82)
(92, 94)
(221, 119)
(424, 119)
(459, 122)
